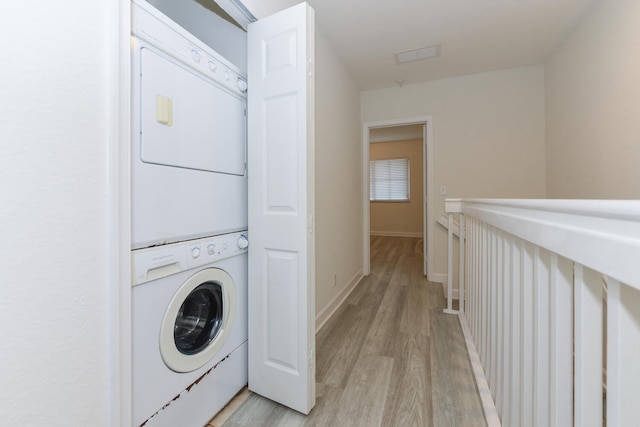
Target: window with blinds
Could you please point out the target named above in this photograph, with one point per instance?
(389, 180)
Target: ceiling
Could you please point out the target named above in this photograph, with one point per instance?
(474, 35)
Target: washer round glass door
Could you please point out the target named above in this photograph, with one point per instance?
(198, 320)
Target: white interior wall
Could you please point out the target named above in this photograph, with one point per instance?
(338, 181)
(56, 135)
(488, 135)
(593, 105)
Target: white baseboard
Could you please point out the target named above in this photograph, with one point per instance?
(443, 280)
(337, 301)
(396, 233)
(455, 294)
(488, 405)
(438, 278)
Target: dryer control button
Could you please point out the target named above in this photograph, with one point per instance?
(227, 76)
(243, 242)
(195, 252)
(196, 55)
(242, 85)
(212, 66)
(211, 249)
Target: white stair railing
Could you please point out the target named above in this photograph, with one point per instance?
(533, 310)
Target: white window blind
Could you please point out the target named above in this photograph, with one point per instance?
(389, 180)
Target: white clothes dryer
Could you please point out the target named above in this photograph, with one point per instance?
(189, 141)
(189, 317)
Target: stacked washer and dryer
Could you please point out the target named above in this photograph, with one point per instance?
(189, 225)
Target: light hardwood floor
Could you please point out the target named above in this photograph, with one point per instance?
(387, 357)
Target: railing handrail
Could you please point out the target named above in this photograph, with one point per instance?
(601, 234)
(615, 209)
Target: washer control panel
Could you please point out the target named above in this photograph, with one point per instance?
(154, 263)
(212, 249)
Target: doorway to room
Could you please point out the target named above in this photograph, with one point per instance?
(382, 132)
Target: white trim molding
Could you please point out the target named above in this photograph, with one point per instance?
(438, 278)
(119, 224)
(325, 314)
(428, 196)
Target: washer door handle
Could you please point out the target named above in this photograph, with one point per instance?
(163, 270)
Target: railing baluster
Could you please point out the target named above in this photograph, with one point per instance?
(516, 335)
(470, 272)
(476, 281)
(561, 355)
(484, 289)
(541, 337)
(526, 355)
(480, 291)
(588, 347)
(461, 274)
(614, 354)
(500, 321)
(469, 307)
(507, 323)
(623, 369)
(493, 321)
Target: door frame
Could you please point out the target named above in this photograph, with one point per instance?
(427, 176)
(119, 212)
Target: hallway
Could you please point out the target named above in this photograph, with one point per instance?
(387, 357)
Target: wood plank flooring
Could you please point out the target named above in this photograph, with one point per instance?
(387, 357)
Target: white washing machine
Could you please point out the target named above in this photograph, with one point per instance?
(189, 316)
(189, 141)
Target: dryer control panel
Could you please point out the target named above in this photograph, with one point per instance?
(151, 25)
(153, 263)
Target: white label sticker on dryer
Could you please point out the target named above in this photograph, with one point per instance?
(164, 110)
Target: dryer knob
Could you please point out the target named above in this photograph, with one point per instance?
(211, 249)
(243, 242)
(242, 85)
(195, 252)
(195, 55)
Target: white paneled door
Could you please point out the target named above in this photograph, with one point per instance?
(281, 208)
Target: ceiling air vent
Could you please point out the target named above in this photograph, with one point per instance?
(417, 54)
